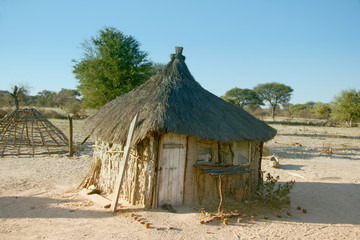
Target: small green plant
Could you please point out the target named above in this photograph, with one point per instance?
(269, 191)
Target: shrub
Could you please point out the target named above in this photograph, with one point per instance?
(52, 114)
(269, 191)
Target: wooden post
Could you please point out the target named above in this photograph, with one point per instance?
(198, 184)
(221, 196)
(133, 195)
(122, 165)
(261, 145)
(249, 188)
(185, 168)
(153, 151)
(71, 153)
(157, 175)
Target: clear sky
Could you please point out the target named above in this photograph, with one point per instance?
(311, 45)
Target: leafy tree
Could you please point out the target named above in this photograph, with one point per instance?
(302, 110)
(5, 98)
(274, 93)
(346, 107)
(66, 97)
(45, 98)
(157, 68)
(322, 110)
(112, 64)
(243, 97)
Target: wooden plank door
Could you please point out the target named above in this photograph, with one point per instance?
(172, 168)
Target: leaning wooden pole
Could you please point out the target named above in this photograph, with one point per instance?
(71, 152)
(122, 165)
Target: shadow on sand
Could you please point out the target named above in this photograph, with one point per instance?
(329, 203)
(309, 153)
(40, 207)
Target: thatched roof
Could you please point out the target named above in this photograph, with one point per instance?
(172, 101)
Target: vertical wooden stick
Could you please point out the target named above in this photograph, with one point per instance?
(71, 153)
(185, 168)
(221, 196)
(133, 195)
(250, 188)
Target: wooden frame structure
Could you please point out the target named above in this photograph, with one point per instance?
(27, 132)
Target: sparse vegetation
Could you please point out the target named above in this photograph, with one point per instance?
(273, 193)
(346, 107)
(275, 94)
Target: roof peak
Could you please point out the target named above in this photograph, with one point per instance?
(178, 54)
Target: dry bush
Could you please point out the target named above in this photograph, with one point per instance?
(327, 148)
(53, 114)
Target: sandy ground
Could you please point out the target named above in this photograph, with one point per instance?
(38, 196)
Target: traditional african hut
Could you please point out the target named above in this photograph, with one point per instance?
(185, 140)
(27, 132)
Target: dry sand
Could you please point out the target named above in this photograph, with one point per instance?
(38, 196)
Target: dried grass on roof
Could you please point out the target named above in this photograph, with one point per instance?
(172, 101)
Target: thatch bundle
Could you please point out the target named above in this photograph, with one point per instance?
(172, 101)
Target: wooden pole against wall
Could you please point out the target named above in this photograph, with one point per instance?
(71, 152)
(122, 166)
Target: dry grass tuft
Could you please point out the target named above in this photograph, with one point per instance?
(327, 148)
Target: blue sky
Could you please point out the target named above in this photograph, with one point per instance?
(311, 45)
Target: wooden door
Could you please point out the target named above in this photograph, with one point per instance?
(172, 168)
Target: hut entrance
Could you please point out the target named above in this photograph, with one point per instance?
(172, 168)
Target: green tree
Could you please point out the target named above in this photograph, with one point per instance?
(322, 110)
(45, 98)
(274, 93)
(157, 68)
(66, 97)
(112, 64)
(346, 107)
(242, 97)
(301, 110)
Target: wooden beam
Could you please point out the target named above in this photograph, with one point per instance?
(71, 152)
(123, 164)
(95, 198)
(172, 146)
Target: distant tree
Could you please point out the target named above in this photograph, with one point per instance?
(112, 64)
(301, 110)
(286, 109)
(45, 98)
(157, 68)
(310, 104)
(274, 93)
(15, 94)
(346, 107)
(5, 98)
(243, 97)
(322, 110)
(66, 97)
(20, 95)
